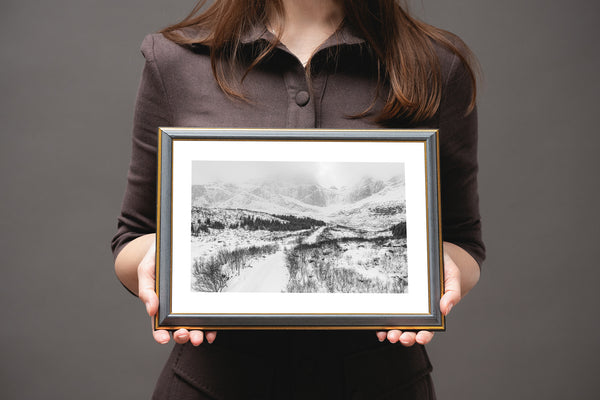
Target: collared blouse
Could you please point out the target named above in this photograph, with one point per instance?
(178, 90)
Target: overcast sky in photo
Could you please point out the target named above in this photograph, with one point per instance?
(323, 173)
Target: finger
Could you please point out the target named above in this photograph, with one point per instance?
(196, 337)
(381, 335)
(161, 336)
(424, 337)
(452, 292)
(394, 335)
(408, 339)
(211, 336)
(181, 336)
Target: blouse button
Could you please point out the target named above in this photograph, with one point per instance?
(302, 98)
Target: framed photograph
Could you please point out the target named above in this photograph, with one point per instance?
(298, 229)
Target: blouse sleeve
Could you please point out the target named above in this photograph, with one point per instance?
(138, 212)
(461, 221)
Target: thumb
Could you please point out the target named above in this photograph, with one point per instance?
(452, 291)
(147, 280)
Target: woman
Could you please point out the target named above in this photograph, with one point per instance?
(346, 64)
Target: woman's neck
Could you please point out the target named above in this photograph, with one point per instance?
(307, 24)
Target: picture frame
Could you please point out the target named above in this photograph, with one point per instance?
(298, 229)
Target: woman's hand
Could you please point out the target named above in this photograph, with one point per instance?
(146, 285)
(456, 284)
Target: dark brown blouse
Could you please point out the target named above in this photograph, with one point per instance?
(178, 90)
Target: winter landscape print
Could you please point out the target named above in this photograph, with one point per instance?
(298, 227)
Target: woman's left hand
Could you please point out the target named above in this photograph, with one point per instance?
(451, 297)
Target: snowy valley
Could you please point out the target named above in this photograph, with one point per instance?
(272, 236)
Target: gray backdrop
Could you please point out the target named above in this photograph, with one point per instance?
(70, 70)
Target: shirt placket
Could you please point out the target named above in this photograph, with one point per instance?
(301, 104)
(303, 100)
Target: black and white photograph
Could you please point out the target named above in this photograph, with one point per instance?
(301, 227)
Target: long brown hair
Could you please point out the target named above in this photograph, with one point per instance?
(403, 47)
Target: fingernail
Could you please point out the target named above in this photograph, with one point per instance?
(381, 339)
(449, 308)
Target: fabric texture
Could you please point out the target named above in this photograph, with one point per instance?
(178, 90)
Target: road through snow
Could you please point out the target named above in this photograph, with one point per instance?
(267, 274)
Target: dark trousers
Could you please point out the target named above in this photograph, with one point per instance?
(296, 365)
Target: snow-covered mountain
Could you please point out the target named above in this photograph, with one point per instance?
(370, 203)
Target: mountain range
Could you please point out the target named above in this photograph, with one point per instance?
(370, 203)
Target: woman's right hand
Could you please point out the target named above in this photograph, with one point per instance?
(146, 285)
